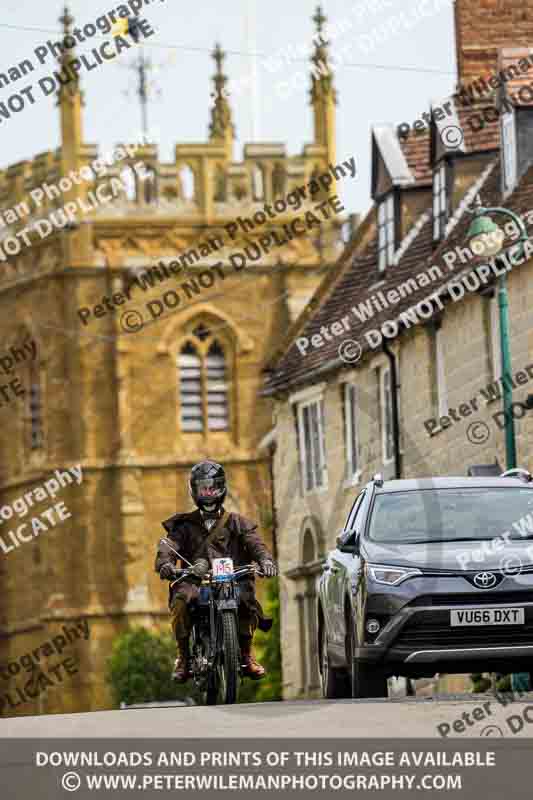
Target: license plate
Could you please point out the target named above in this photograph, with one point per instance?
(487, 616)
(222, 569)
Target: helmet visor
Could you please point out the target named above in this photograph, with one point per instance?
(209, 487)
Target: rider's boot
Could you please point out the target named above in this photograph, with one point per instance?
(182, 666)
(250, 667)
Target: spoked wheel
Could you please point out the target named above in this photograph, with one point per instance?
(223, 680)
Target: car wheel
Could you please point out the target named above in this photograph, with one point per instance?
(368, 681)
(335, 684)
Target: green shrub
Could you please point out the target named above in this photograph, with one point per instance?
(140, 666)
(480, 684)
(268, 653)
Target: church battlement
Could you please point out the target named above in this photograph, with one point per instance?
(201, 178)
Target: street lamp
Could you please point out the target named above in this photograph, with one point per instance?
(486, 239)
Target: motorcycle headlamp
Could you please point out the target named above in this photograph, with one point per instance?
(390, 575)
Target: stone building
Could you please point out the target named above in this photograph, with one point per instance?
(140, 370)
(388, 336)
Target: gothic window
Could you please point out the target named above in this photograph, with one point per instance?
(308, 547)
(258, 183)
(187, 182)
(220, 185)
(278, 181)
(203, 383)
(190, 368)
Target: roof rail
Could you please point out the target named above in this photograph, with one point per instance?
(377, 479)
(518, 472)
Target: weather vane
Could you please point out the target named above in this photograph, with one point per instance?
(144, 68)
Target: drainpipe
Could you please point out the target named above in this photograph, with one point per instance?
(395, 413)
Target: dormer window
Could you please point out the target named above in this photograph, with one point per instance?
(509, 152)
(386, 232)
(440, 202)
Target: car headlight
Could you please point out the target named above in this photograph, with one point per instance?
(390, 575)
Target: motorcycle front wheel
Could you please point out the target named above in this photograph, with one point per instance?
(223, 680)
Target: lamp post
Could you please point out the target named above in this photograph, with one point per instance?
(486, 238)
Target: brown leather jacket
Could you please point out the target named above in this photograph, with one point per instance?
(238, 540)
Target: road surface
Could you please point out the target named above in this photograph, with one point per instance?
(482, 715)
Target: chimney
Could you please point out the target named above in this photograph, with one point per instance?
(483, 27)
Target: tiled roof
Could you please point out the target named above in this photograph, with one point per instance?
(470, 120)
(358, 284)
(416, 151)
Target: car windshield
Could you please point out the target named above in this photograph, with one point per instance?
(433, 515)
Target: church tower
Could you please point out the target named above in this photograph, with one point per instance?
(151, 347)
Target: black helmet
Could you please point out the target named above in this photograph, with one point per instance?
(207, 484)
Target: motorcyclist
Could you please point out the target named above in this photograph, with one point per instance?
(200, 536)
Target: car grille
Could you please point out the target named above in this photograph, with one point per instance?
(421, 633)
(474, 599)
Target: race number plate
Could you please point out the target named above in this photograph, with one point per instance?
(222, 569)
(487, 616)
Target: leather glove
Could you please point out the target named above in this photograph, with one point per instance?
(167, 572)
(200, 568)
(268, 568)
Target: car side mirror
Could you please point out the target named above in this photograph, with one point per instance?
(353, 547)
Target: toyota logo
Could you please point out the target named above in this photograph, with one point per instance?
(485, 580)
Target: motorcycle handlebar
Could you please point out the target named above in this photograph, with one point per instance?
(241, 572)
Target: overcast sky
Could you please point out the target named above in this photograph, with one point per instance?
(392, 81)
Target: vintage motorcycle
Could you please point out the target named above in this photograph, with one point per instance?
(215, 651)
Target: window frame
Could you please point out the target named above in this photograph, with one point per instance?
(317, 402)
(440, 197)
(36, 377)
(202, 350)
(386, 230)
(351, 433)
(509, 155)
(383, 409)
